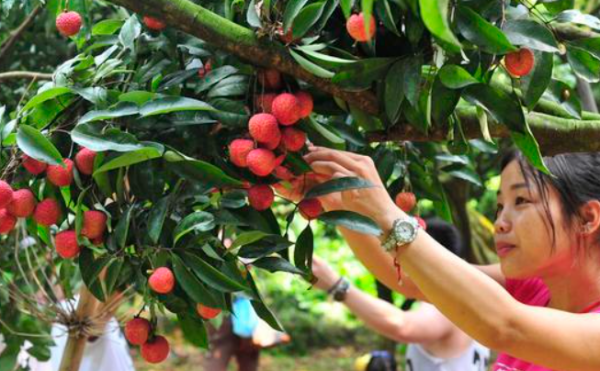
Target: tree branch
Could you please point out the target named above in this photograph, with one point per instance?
(25, 75)
(16, 34)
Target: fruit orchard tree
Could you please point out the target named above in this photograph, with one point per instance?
(138, 137)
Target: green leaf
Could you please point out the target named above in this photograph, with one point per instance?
(303, 251)
(584, 64)
(90, 269)
(138, 97)
(307, 18)
(194, 330)
(443, 101)
(338, 185)
(535, 83)
(562, 94)
(575, 16)
(464, 173)
(35, 144)
(122, 229)
(106, 27)
(347, 7)
(361, 75)
(198, 221)
(481, 32)
(212, 276)
(434, 14)
(192, 286)
(352, 221)
(112, 274)
(92, 137)
(156, 219)
(529, 146)
(311, 67)
(326, 133)
(367, 10)
(591, 45)
(129, 32)
(120, 110)
(130, 158)
(394, 90)
(292, 9)
(276, 264)
(162, 106)
(200, 171)
(504, 108)
(325, 59)
(247, 238)
(214, 76)
(46, 96)
(456, 77)
(531, 35)
(252, 16)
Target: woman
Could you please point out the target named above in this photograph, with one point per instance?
(435, 343)
(539, 307)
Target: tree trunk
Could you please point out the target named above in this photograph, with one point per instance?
(458, 196)
(73, 353)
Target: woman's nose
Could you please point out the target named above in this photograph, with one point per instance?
(502, 224)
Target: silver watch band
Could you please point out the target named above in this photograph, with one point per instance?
(403, 232)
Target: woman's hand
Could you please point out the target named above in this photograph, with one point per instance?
(373, 202)
(326, 277)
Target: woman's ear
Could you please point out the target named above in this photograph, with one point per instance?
(590, 217)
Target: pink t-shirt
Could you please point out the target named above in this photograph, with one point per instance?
(533, 292)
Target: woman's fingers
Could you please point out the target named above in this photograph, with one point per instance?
(330, 169)
(338, 157)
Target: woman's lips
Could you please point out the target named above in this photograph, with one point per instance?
(504, 249)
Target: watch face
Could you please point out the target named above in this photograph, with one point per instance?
(405, 230)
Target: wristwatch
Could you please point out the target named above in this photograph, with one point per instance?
(339, 289)
(404, 231)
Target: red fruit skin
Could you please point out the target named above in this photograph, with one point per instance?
(23, 204)
(156, 350)
(263, 127)
(306, 103)
(84, 159)
(422, 222)
(68, 23)
(162, 280)
(6, 194)
(519, 63)
(264, 102)
(205, 70)
(261, 161)
(7, 221)
(293, 139)
(283, 173)
(239, 150)
(274, 142)
(406, 201)
(310, 208)
(286, 109)
(261, 197)
(60, 176)
(34, 166)
(47, 212)
(270, 79)
(94, 224)
(154, 23)
(207, 312)
(66, 244)
(137, 331)
(356, 27)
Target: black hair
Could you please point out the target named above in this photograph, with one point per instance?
(574, 176)
(382, 360)
(446, 235)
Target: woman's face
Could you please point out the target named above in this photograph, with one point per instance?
(523, 231)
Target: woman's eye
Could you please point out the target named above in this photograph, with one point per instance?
(521, 200)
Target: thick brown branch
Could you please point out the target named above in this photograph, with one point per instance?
(16, 34)
(25, 75)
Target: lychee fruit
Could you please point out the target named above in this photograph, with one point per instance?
(205, 70)
(156, 350)
(34, 166)
(94, 224)
(23, 204)
(137, 331)
(274, 143)
(162, 280)
(69, 23)
(60, 176)
(406, 201)
(356, 27)
(306, 103)
(270, 79)
(261, 161)
(283, 173)
(286, 109)
(66, 244)
(264, 102)
(422, 222)
(6, 194)
(84, 159)
(261, 197)
(7, 221)
(264, 128)
(47, 212)
(293, 139)
(154, 23)
(207, 312)
(310, 208)
(239, 150)
(519, 63)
